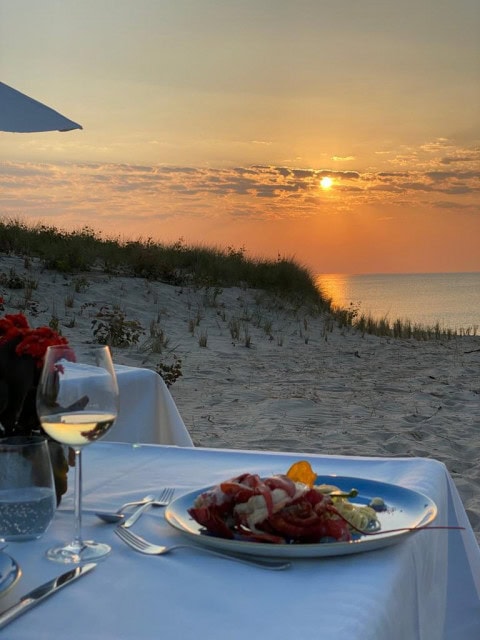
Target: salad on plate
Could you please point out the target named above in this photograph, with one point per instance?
(284, 509)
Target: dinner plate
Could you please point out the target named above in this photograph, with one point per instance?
(9, 572)
(404, 508)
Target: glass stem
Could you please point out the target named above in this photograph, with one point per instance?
(77, 541)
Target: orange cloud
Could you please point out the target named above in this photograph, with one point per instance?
(268, 209)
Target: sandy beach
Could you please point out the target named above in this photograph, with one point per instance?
(258, 373)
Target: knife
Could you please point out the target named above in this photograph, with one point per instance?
(43, 591)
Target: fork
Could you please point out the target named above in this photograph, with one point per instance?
(142, 546)
(134, 503)
(116, 516)
(162, 500)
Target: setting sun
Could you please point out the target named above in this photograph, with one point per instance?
(326, 182)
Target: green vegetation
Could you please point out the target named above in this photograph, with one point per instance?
(177, 263)
(110, 326)
(351, 317)
(182, 265)
(170, 372)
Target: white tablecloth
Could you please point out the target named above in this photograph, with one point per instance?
(425, 588)
(148, 412)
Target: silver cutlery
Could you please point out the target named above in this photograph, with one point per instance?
(118, 516)
(38, 594)
(162, 500)
(134, 503)
(142, 546)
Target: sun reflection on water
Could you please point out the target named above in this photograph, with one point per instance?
(334, 286)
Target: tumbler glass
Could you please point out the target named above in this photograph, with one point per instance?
(27, 490)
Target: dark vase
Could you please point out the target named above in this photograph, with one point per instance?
(19, 376)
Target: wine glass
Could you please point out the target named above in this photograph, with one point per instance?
(77, 403)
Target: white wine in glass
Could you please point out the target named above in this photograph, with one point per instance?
(77, 403)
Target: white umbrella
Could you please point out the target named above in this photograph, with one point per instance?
(21, 114)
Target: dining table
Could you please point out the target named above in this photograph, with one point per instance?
(147, 411)
(423, 586)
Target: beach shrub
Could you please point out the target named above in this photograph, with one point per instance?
(110, 327)
(346, 317)
(54, 324)
(80, 284)
(14, 280)
(210, 296)
(157, 340)
(268, 327)
(234, 326)
(170, 373)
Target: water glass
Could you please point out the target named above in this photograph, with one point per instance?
(27, 490)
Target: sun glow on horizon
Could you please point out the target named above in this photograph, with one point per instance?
(326, 182)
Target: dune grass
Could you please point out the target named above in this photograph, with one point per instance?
(199, 266)
(366, 324)
(177, 263)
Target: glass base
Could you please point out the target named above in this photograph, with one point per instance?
(73, 553)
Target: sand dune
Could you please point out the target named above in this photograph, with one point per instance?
(260, 374)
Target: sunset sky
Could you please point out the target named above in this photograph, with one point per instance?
(214, 121)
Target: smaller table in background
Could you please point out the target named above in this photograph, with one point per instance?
(148, 412)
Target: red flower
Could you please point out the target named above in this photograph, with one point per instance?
(31, 342)
(22, 351)
(12, 326)
(15, 320)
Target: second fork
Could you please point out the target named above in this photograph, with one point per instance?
(162, 500)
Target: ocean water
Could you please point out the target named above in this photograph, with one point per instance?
(450, 299)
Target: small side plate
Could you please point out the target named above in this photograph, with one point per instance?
(10, 572)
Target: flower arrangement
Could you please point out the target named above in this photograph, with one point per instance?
(22, 349)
